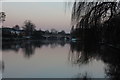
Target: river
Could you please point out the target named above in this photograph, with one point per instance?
(59, 59)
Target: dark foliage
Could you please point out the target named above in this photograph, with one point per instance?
(96, 22)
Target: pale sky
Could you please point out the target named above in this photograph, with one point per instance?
(44, 15)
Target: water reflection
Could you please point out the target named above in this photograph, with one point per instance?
(28, 47)
(79, 54)
(2, 66)
(84, 53)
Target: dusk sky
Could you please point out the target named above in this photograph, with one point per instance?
(45, 15)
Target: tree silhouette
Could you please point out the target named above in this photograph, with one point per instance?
(89, 19)
(29, 27)
(2, 17)
(16, 27)
(93, 13)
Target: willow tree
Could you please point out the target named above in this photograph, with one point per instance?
(92, 15)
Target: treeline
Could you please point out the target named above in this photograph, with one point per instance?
(30, 32)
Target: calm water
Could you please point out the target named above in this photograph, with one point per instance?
(58, 59)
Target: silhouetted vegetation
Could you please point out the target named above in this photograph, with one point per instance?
(28, 27)
(81, 53)
(2, 17)
(96, 27)
(28, 32)
(96, 22)
(28, 47)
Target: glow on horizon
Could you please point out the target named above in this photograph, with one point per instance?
(45, 15)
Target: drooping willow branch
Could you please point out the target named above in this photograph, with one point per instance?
(88, 14)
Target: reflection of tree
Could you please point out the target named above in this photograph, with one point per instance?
(112, 58)
(113, 71)
(84, 53)
(28, 47)
(2, 66)
(84, 76)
